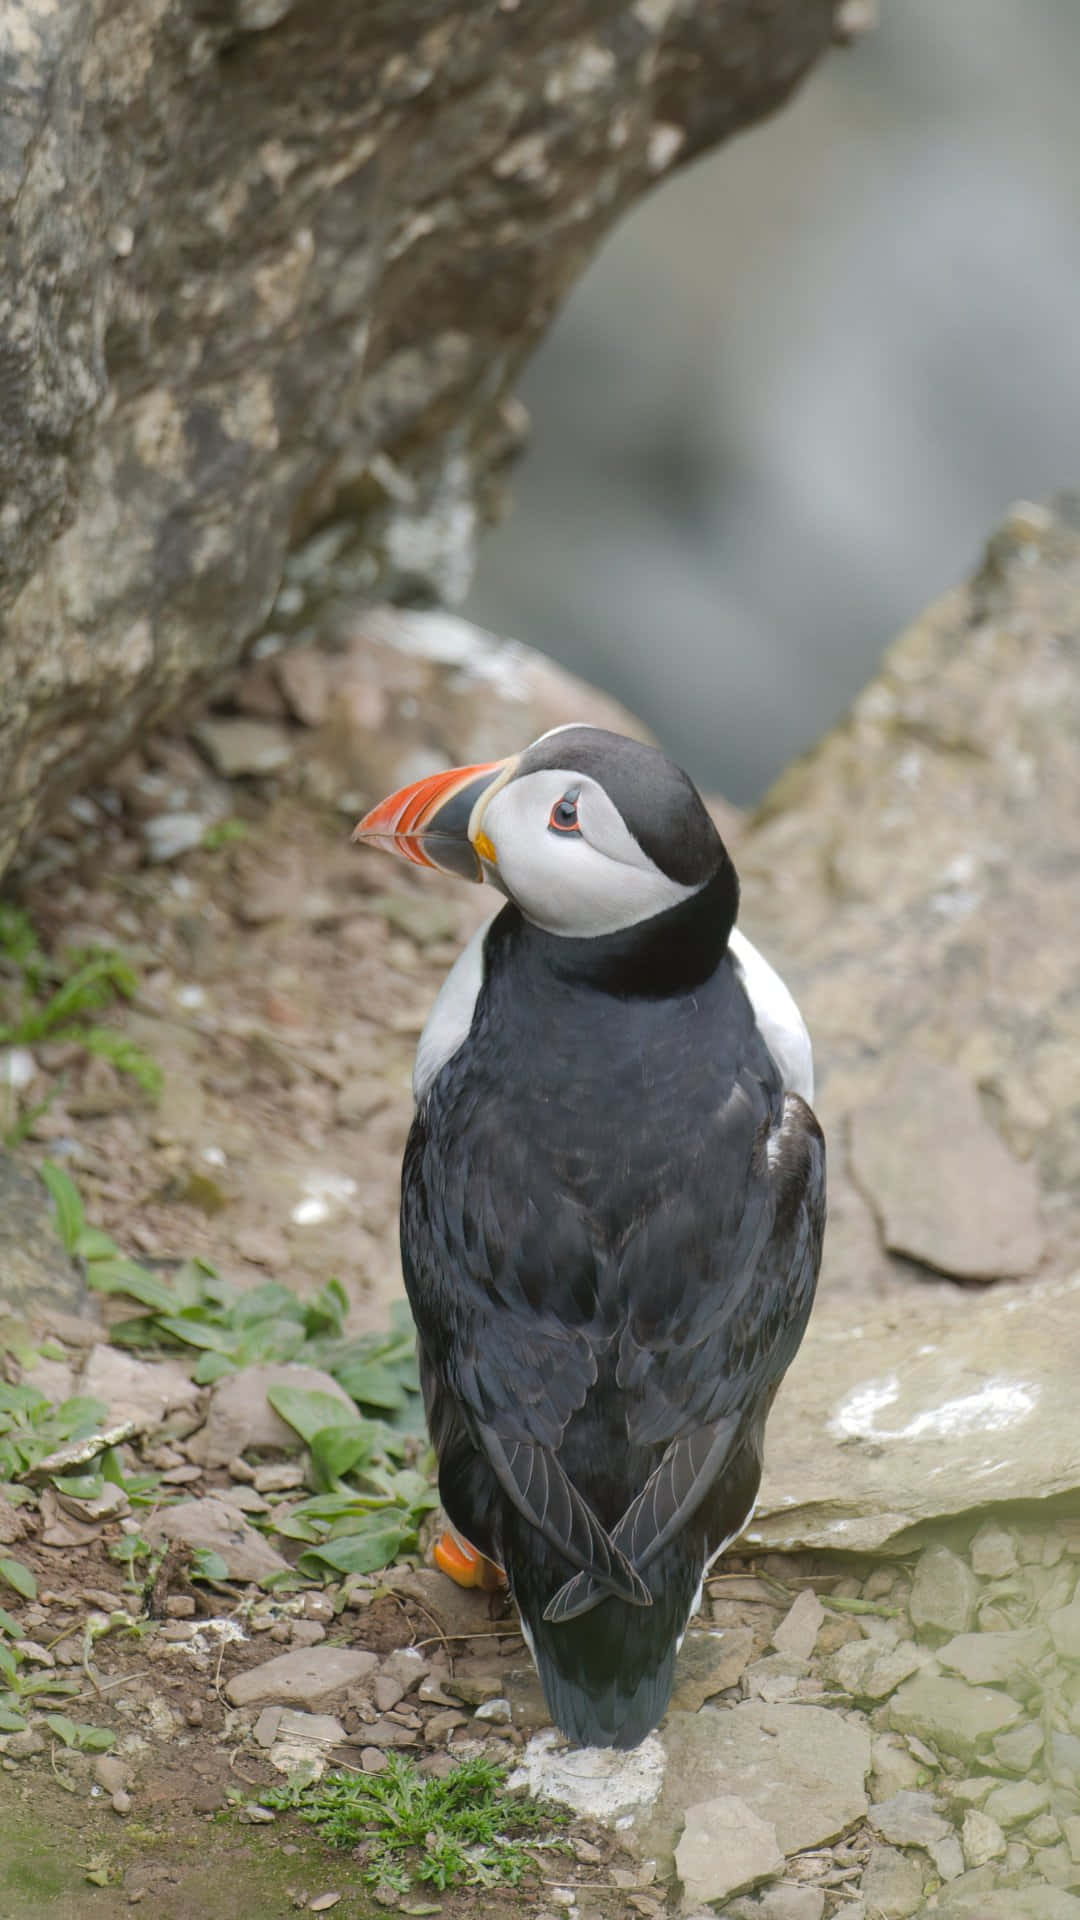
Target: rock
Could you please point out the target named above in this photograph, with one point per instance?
(386, 1691)
(23, 1746)
(597, 1782)
(981, 1838)
(111, 1773)
(240, 1415)
(1017, 1801)
(954, 1717)
(892, 1885)
(993, 1552)
(217, 1526)
(910, 881)
(709, 1663)
(947, 1856)
(1064, 1624)
(300, 1739)
(304, 1676)
(946, 1191)
(801, 1769)
(473, 1684)
(168, 835)
(943, 1593)
(993, 1659)
(242, 746)
(301, 673)
(140, 1390)
(496, 1711)
(724, 1848)
(781, 1902)
(909, 1820)
(1019, 1747)
(895, 1768)
(1015, 1903)
(881, 1397)
(237, 412)
(455, 1610)
(35, 1272)
(799, 1629)
(870, 1671)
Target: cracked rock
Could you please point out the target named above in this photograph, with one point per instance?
(725, 1847)
(892, 1885)
(304, 1676)
(956, 1718)
(909, 1820)
(945, 1188)
(944, 1592)
(217, 1526)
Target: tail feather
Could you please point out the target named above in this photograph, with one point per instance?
(607, 1673)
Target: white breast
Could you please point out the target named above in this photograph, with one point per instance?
(450, 1018)
(778, 1019)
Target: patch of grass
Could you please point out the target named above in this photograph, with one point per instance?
(225, 833)
(409, 1827)
(57, 997)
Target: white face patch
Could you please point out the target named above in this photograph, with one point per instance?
(579, 884)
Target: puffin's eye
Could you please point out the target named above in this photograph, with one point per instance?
(563, 816)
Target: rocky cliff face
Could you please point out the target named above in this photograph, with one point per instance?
(268, 273)
(918, 877)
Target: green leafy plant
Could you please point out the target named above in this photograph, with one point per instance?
(74, 1733)
(371, 1498)
(31, 1427)
(46, 997)
(461, 1831)
(19, 1688)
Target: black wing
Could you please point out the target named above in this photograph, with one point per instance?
(697, 1363)
(504, 1293)
(698, 1305)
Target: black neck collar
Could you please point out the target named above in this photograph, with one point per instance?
(672, 953)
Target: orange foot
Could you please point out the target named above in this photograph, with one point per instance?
(462, 1564)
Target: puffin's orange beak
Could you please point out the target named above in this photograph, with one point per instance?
(436, 821)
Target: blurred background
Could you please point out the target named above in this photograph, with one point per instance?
(783, 407)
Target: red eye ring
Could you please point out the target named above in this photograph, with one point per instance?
(563, 817)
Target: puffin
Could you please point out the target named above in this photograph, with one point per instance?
(612, 1207)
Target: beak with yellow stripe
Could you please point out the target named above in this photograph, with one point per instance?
(438, 821)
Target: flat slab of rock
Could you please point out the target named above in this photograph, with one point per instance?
(220, 1528)
(708, 1663)
(240, 1414)
(725, 1847)
(800, 1768)
(142, 1390)
(301, 1677)
(945, 1189)
(993, 1659)
(893, 1414)
(952, 1716)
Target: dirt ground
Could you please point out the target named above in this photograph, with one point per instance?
(284, 976)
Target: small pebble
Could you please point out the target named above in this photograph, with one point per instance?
(180, 1606)
(121, 1802)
